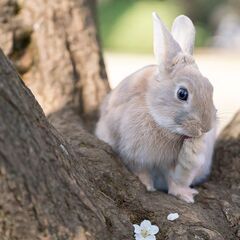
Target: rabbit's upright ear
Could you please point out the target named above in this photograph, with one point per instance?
(183, 32)
(165, 47)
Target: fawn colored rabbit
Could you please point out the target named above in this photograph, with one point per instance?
(161, 119)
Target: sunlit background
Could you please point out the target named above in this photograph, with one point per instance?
(126, 34)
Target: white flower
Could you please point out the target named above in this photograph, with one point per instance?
(146, 231)
(172, 216)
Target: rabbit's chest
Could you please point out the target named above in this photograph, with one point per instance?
(143, 141)
(150, 147)
(163, 149)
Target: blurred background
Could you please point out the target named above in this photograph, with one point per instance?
(126, 34)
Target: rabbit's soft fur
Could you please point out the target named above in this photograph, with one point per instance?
(158, 136)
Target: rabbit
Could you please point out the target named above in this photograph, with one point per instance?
(161, 120)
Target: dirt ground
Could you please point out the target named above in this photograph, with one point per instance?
(222, 67)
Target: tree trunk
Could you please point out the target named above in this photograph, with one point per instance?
(57, 181)
(55, 48)
(227, 157)
(69, 185)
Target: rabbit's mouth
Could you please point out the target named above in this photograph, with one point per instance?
(186, 137)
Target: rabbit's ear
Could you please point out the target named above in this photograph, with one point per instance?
(165, 47)
(183, 32)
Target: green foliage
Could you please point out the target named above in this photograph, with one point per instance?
(203, 35)
(126, 25)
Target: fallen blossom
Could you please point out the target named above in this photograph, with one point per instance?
(172, 216)
(146, 231)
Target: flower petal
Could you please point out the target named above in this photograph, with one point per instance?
(138, 237)
(172, 216)
(152, 237)
(154, 230)
(146, 224)
(137, 228)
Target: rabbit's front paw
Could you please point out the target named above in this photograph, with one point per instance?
(187, 195)
(184, 193)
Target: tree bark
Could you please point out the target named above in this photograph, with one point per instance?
(66, 184)
(227, 158)
(57, 181)
(55, 47)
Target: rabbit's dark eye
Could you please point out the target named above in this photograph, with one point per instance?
(182, 94)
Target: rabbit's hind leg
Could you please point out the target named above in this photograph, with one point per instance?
(146, 178)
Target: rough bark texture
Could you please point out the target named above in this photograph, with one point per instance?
(66, 184)
(55, 48)
(57, 181)
(227, 157)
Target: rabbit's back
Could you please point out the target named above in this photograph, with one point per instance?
(115, 104)
(134, 86)
(126, 124)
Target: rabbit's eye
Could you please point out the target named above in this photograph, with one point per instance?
(182, 94)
